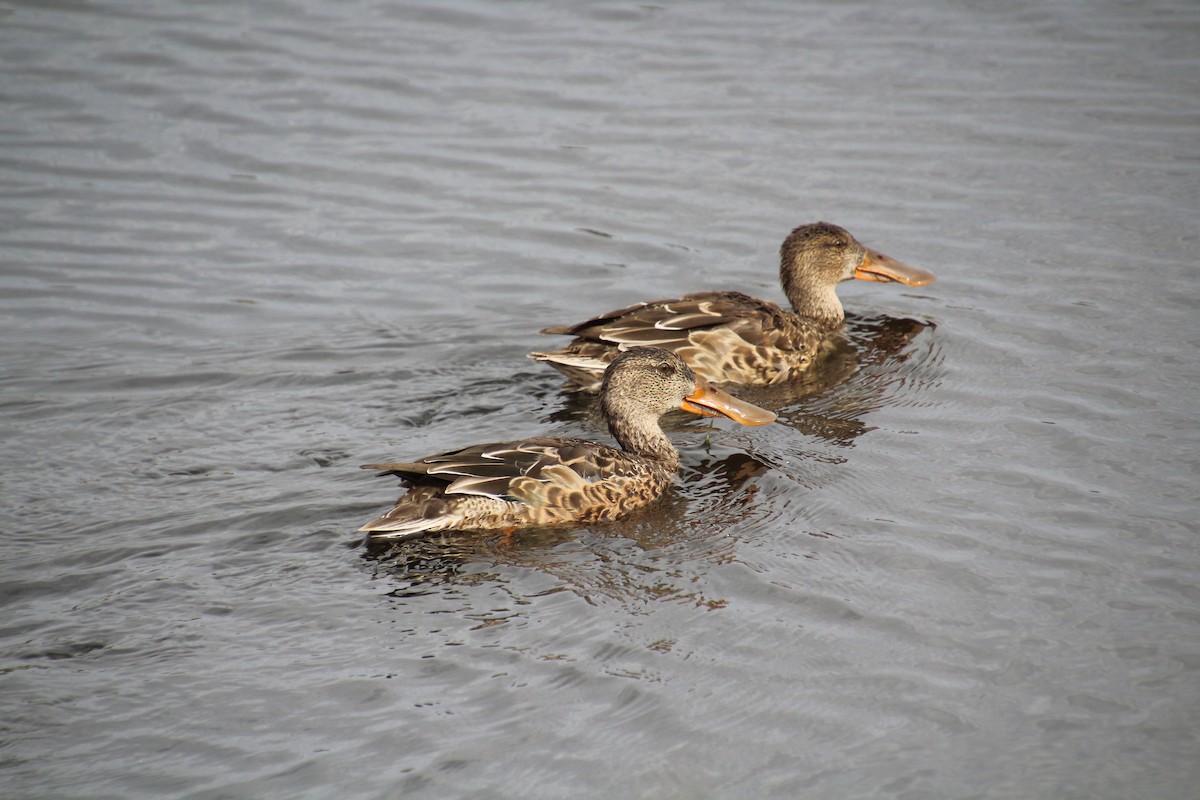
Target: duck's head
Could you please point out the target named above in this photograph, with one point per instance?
(643, 383)
(815, 258)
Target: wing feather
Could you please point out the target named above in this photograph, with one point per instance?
(724, 336)
(641, 323)
(490, 470)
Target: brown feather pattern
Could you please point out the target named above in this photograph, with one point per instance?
(532, 482)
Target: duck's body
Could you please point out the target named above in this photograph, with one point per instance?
(726, 337)
(730, 337)
(547, 481)
(542, 481)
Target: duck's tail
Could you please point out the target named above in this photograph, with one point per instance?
(423, 509)
(584, 374)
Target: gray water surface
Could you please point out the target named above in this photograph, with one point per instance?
(248, 246)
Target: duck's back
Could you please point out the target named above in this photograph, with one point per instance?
(723, 336)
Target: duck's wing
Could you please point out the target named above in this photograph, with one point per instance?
(670, 323)
(511, 483)
(508, 484)
(519, 471)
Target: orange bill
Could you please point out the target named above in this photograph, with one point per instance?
(708, 401)
(878, 267)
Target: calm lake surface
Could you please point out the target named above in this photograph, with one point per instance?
(247, 247)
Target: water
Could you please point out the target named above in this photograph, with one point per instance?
(247, 247)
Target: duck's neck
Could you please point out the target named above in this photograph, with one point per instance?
(809, 299)
(640, 434)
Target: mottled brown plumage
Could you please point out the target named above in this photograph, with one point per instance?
(732, 337)
(546, 481)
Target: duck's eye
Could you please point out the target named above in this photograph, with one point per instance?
(666, 369)
(839, 244)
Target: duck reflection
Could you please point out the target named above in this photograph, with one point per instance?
(876, 376)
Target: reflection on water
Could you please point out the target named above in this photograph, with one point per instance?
(862, 375)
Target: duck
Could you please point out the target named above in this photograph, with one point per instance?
(505, 486)
(731, 337)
